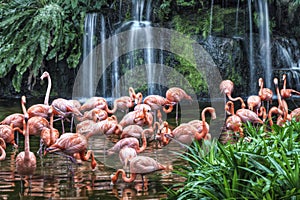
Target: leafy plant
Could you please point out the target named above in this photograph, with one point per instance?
(37, 31)
(267, 167)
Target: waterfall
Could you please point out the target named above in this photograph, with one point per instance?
(89, 64)
(251, 57)
(237, 18)
(265, 48)
(211, 16)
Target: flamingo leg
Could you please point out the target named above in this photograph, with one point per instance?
(177, 114)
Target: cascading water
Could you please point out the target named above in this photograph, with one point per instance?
(88, 46)
(265, 44)
(250, 56)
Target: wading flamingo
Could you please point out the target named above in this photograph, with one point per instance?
(69, 144)
(7, 134)
(138, 165)
(25, 160)
(130, 142)
(175, 95)
(126, 154)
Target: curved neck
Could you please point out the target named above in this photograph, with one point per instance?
(111, 111)
(263, 113)
(243, 105)
(230, 106)
(144, 144)
(3, 153)
(46, 100)
(124, 177)
(273, 110)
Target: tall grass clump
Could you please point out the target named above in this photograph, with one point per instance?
(266, 166)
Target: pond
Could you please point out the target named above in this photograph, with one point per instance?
(57, 178)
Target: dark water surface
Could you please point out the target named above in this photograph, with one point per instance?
(53, 178)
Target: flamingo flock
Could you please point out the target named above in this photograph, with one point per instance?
(131, 134)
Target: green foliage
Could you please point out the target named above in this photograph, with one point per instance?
(267, 167)
(37, 31)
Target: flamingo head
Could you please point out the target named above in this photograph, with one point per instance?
(44, 75)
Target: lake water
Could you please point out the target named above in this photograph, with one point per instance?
(53, 177)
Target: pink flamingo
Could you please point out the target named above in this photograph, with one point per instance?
(254, 103)
(233, 122)
(226, 87)
(69, 144)
(2, 149)
(287, 93)
(130, 142)
(25, 160)
(138, 165)
(42, 109)
(265, 94)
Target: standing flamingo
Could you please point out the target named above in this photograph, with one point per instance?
(42, 109)
(226, 87)
(138, 165)
(254, 103)
(184, 134)
(287, 93)
(139, 117)
(94, 102)
(175, 95)
(48, 135)
(265, 94)
(7, 134)
(282, 105)
(16, 119)
(69, 144)
(130, 142)
(126, 154)
(201, 125)
(64, 108)
(25, 160)
(2, 149)
(156, 103)
(233, 122)
(96, 114)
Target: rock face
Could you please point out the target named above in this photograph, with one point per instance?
(229, 50)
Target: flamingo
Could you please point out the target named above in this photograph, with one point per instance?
(94, 102)
(157, 102)
(233, 122)
(247, 115)
(201, 125)
(42, 109)
(107, 127)
(162, 132)
(70, 144)
(16, 119)
(126, 154)
(139, 103)
(175, 95)
(25, 160)
(138, 117)
(2, 149)
(96, 114)
(226, 87)
(130, 142)
(185, 133)
(63, 108)
(48, 135)
(138, 165)
(263, 113)
(265, 94)
(274, 110)
(254, 103)
(7, 134)
(282, 105)
(122, 103)
(132, 131)
(287, 93)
